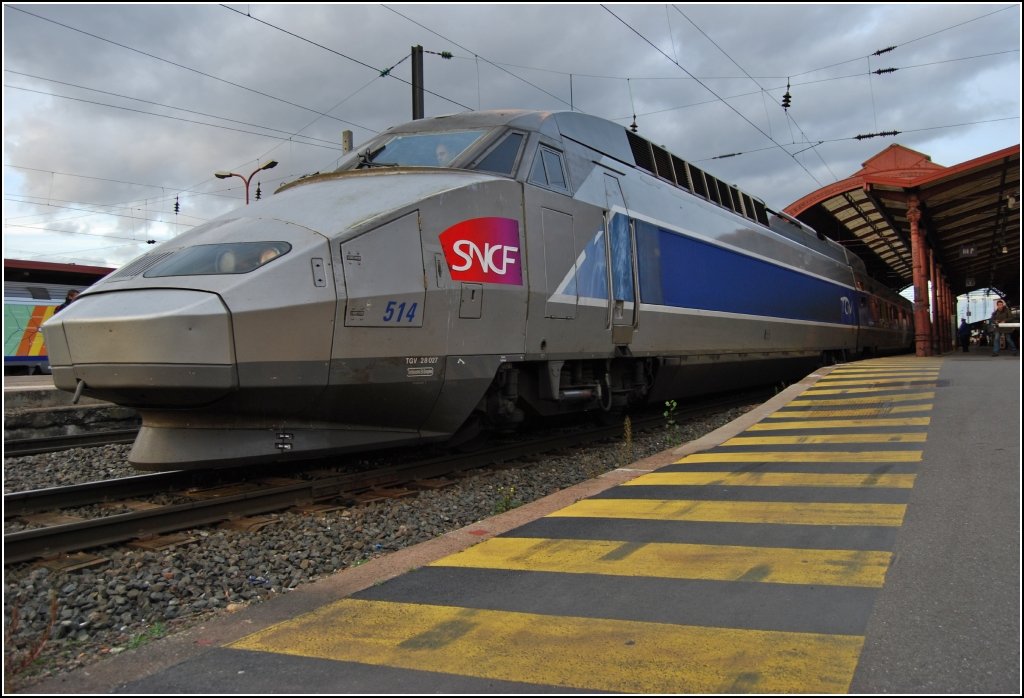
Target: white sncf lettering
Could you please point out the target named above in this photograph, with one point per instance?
(467, 250)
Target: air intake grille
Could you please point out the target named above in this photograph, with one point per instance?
(139, 265)
(641, 152)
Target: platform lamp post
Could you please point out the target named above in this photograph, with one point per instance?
(224, 175)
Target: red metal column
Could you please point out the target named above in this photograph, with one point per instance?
(941, 316)
(933, 334)
(951, 319)
(919, 256)
(950, 326)
(933, 289)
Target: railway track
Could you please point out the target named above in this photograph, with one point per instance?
(49, 444)
(211, 497)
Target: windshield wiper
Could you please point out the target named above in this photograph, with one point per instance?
(366, 157)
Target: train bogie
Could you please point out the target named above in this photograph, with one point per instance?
(545, 267)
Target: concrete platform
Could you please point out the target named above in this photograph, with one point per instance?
(34, 408)
(32, 392)
(858, 533)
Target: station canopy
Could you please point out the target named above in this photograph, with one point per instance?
(970, 215)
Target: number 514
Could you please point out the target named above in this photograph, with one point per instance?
(396, 312)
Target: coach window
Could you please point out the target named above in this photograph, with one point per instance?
(502, 158)
(548, 170)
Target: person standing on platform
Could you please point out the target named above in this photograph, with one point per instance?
(964, 335)
(1001, 314)
(68, 300)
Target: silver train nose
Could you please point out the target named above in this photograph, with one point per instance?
(172, 347)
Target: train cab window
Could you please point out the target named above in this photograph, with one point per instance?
(502, 158)
(548, 170)
(435, 149)
(226, 258)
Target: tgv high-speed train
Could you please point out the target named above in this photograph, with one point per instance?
(471, 269)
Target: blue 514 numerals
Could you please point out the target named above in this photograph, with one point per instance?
(400, 312)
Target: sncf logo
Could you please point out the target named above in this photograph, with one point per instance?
(484, 249)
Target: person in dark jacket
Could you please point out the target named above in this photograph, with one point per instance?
(68, 299)
(1001, 314)
(964, 334)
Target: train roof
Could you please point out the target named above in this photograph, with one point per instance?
(620, 143)
(488, 118)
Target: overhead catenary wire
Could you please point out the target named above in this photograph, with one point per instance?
(185, 67)
(479, 59)
(486, 60)
(384, 73)
(179, 118)
(723, 101)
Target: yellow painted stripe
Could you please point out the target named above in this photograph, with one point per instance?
(876, 380)
(896, 361)
(809, 513)
(903, 481)
(919, 365)
(896, 456)
(880, 411)
(887, 376)
(881, 371)
(586, 653)
(855, 568)
(831, 423)
(892, 371)
(853, 391)
(827, 439)
(876, 400)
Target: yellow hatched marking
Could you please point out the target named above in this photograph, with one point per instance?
(826, 439)
(879, 375)
(865, 400)
(890, 365)
(890, 371)
(586, 653)
(902, 481)
(856, 568)
(895, 382)
(894, 371)
(831, 423)
(853, 391)
(898, 361)
(804, 457)
(809, 513)
(863, 412)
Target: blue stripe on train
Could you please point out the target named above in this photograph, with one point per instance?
(680, 271)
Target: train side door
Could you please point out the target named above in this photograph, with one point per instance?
(623, 309)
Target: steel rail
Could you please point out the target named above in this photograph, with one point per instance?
(49, 444)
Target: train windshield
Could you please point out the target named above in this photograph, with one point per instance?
(419, 149)
(226, 258)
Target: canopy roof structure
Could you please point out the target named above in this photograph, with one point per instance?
(970, 217)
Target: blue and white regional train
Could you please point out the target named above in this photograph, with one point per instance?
(476, 268)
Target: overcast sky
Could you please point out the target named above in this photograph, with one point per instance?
(113, 112)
